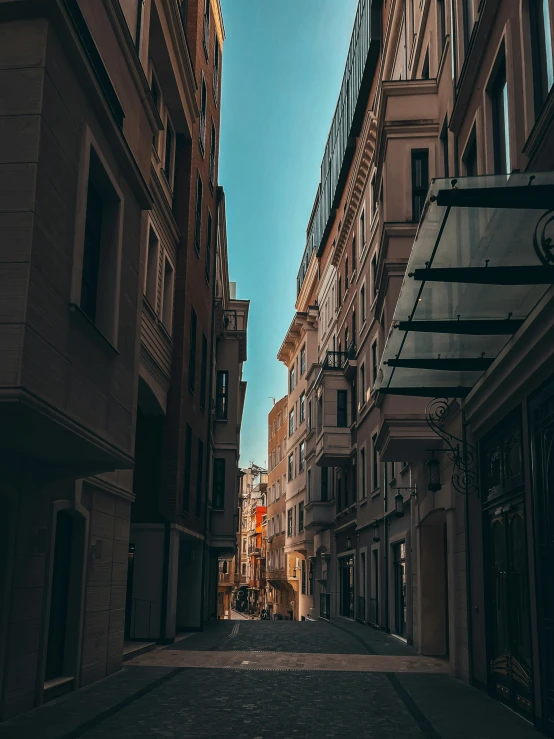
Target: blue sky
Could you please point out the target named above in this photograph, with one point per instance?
(283, 62)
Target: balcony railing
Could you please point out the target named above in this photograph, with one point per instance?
(338, 360)
(361, 608)
(325, 605)
(373, 609)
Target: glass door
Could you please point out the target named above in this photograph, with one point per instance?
(346, 577)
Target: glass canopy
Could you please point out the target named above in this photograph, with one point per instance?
(482, 259)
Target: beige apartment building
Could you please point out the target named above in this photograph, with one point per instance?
(297, 352)
(429, 258)
(279, 591)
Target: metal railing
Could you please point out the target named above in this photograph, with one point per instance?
(338, 360)
(325, 605)
(361, 608)
(373, 611)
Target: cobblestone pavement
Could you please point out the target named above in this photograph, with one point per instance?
(277, 679)
(245, 705)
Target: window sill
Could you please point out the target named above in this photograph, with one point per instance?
(375, 493)
(93, 329)
(149, 307)
(363, 502)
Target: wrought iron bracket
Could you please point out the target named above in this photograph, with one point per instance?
(459, 451)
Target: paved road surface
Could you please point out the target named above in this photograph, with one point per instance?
(245, 679)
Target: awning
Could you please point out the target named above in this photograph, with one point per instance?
(483, 257)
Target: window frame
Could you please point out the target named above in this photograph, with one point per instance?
(222, 395)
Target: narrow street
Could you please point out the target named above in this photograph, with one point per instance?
(253, 679)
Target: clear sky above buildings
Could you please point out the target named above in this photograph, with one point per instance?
(282, 66)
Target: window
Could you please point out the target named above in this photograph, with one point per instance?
(218, 495)
(302, 407)
(441, 20)
(310, 417)
(291, 422)
(300, 517)
(169, 158)
(444, 147)
(346, 273)
(500, 122)
(339, 290)
(198, 215)
(339, 492)
(375, 462)
(208, 247)
(362, 303)
(302, 453)
(203, 107)
(152, 263)
(291, 466)
(204, 371)
(342, 413)
(425, 68)
(362, 229)
(541, 44)
(362, 474)
(167, 295)
(309, 484)
(199, 471)
(420, 182)
(374, 276)
(212, 157)
(278, 490)
(216, 69)
(222, 395)
(244, 546)
(289, 522)
(206, 28)
(132, 10)
(469, 20)
(188, 468)
(157, 98)
(101, 249)
(362, 382)
(470, 156)
(302, 360)
(192, 350)
(374, 363)
(291, 379)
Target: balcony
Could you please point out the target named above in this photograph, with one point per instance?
(232, 323)
(333, 394)
(319, 514)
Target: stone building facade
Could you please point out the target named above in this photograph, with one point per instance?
(107, 242)
(433, 426)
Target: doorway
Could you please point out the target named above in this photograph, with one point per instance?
(59, 598)
(510, 622)
(541, 414)
(346, 578)
(399, 561)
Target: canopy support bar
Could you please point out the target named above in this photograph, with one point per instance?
(493, 327)
(457, 364)
(525, 275)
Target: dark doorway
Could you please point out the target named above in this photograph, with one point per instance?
(510, 642)
(400, 589)
(129, 591)
(55, 652)
(346, 571)
(542, 429)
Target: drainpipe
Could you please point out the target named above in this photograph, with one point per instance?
(386, 558)
(468, 559)
(205, 553)
(454, 74)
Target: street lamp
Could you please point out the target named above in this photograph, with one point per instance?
(376, 536)
(433, 475)
(398, 505)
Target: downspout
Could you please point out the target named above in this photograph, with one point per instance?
(386, 558)
(454, 82)
(208, 423)
(468, 559)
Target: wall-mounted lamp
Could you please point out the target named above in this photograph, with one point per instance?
(348, 542)
(398, 505)
(376, 536)
(433, 475)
